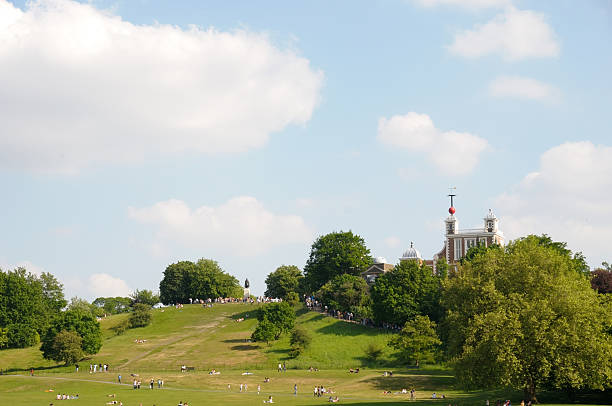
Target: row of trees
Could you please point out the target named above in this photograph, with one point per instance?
(530, 315)
(203, 279)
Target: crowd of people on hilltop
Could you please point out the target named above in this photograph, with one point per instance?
(314, 304)
(222, 300)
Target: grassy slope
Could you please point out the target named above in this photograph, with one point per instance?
(211, 338)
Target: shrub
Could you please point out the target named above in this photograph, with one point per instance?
(67, 347)
(141, 316)
(121, 327)
(300, 340)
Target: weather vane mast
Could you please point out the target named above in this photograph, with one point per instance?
(451, 209)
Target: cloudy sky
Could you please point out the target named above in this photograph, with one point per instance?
(134, 134)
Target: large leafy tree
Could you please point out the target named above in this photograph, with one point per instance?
(82, 323)
(523, 317)
(410, 289)
(335, 254)
(27, 305)
(201, 280)
(417, 341)
(281, 315)
(284, 280)
(345, 292)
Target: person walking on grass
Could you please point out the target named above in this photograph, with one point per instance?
(295, 389)
(119, 379)
(258, 388)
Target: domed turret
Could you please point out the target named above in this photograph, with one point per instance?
(411, 254)
(380, 260)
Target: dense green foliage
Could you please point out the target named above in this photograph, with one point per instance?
(405, 292)
(113, 305)
(283, 281)
(201, 280)
(66, 347)
(280, 315)
(417, 341)
(300, 341)
(335, 254)
(265, 331)
(144, 296)
(524, 317)
(27, 305)
(140, 316)
(345, 293)
(82, 323)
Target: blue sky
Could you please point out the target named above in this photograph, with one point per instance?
(139, 133)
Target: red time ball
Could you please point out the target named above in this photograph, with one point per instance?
(451, 210)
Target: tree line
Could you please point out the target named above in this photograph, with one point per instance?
(530, 315)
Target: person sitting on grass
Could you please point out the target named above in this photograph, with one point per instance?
(334, 400)
(270, 400)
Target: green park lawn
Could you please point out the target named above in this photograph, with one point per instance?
(206, 338)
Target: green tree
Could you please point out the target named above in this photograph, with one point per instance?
(140, 316)
(82, 323)
(417, 341)
(523, 317)
(281, 315)
(265, 331)
(345, 292)
(284, 280)
(21, 335)
(113, 305)
(406, 291)
(300, 340)
(335, 254)
(82, 305)
(22, 302)
(144, 296)
(66, 347)
(202, 280)
(53, 293)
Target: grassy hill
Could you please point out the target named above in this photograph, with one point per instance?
(208, 338)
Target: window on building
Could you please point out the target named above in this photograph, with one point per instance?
(470, 242)
(482, 242)
(458, 247)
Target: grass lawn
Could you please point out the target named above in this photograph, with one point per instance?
(207, 338)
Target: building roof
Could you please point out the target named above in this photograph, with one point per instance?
(411, 253)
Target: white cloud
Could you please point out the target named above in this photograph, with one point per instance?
(82, 87)
(523, 88)
(568, 198)
(469, 4)
(392, 241)
(514, 34)
(450, 151)
(105, 285)
(241, 226)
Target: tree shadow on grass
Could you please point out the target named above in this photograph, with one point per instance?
(245, 347)
(343, 328)
(423, 382)
(251, 314)
(237, 340)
